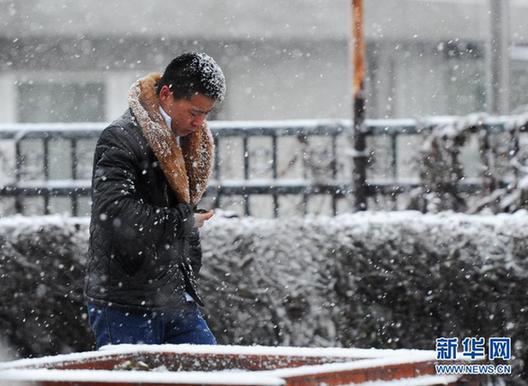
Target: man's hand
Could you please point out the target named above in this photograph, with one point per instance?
(201, 217)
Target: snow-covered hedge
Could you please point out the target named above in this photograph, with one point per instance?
(41, 275)
(383, 280)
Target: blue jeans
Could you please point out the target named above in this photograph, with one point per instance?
(113, 325)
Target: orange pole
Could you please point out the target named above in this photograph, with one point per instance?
(360, 157)
(358, 46)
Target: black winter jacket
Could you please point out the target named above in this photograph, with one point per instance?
(144, 251)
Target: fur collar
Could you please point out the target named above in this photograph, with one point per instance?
(187, 168)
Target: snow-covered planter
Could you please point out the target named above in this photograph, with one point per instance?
(385, 280)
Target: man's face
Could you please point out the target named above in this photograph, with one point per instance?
(188, 115)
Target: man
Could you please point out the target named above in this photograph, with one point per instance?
(151, 167)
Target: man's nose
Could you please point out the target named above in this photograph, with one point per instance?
(198, 121)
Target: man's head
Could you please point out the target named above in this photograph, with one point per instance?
(189, 89)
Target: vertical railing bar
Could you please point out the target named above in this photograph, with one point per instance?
(217, 171)
(304, 141)
(394, 156)
(246, 172)
(18, 174)
(218, 198)
(514, 144)
(246, 156)
(334, 172)
(394, 167)
(74, 201)
(303, 157)
(488, 180)
(275, 174)
(45, 166)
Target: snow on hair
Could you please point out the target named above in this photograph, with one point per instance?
(213, 79)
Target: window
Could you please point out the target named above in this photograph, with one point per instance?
(60, 102)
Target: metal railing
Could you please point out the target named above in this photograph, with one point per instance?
(219, 187)
(477, 124)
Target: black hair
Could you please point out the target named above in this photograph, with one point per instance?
(194, 73)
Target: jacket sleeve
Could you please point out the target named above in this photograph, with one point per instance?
(195, 250)
(117, 204)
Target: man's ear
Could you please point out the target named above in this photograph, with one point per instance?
(164, 96)
(164, 93)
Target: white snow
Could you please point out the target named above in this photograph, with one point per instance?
(280, 124)
(36, 222)
(54, 184)
(523, 183)
(265, 350)
(215, 77)
(363, 221)
(421, 222)
(126, 349)
(256, 182)
(52, 127)
(8, 130)
(99, 126)
(139, 377)
(18, 371)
